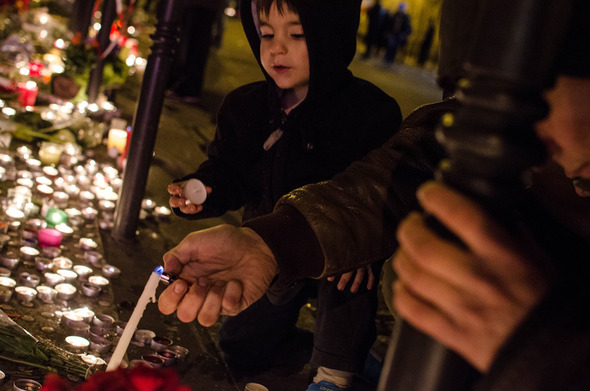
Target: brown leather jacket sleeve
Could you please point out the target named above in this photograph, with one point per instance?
(339, 225)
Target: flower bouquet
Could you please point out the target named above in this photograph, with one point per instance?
(19, 346)
(139, 378)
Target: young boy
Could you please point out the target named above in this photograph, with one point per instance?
(308, 121)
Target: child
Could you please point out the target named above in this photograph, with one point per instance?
(308, 121)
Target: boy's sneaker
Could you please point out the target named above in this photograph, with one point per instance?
(324, 386)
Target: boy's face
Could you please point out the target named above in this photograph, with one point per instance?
(283, 50)
(566, 131)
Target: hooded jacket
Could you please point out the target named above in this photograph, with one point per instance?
(341, 119)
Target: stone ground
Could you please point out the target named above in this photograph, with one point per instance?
(184, 132)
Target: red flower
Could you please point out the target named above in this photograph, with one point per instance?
(140, 378)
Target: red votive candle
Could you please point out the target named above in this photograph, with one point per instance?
(49, 237)
(27, 93)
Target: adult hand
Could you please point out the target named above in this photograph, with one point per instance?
(222, 270)
(178, 200)
(470, 299)
(358, 275)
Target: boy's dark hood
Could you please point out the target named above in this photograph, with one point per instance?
(330, 28)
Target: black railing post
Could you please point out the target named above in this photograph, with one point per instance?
(147, 118)
(491, 144)
(81, 17)
(109, 12)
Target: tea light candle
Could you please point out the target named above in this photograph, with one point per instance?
(86, 313)
(4, 272)
(99, 344)
(77, 344)
(90, 290)
(89, 213)
(73, 213)
(103, 320)
(88, 244)
(93, 257)
(28, 253)
(10, 260)
(45, 191)
(111, 271)
(53, 279)
(50, 172)
(159, 343)
(63, 263)
(24, 152)
(105, 205)
(51, 252)
(156, 361)
(25, 294)
(50, 153)
(5, 293)
(92, 359)
(46, 293)
(65, 291)
(43, 180)
(43, 263)
(68, 275)
(169, 357)
(49, 237)
(65, 230)
(162, 212)
(88, 197)
(26, 385)
(99, 281)
(27, 279)
(61, 199)
(148, 205)
(83, 271)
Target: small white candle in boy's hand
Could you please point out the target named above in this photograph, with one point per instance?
(194, 191)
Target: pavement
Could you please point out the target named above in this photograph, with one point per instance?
(183, 135)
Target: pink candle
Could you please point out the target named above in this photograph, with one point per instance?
(49, 237)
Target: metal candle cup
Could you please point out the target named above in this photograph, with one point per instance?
(51, 252)
(27, 279)
(10, 260)
(88, 244)
(53, 279)
(111, 271)
(6, 289)
(46, 294)
(85, 313)
(99, 281)
(144, 336)
(28, 253)
(68, 275)
(156, 361)
(26, 385)
(159, 343)
(65, 291)
(103, 320)
(93, 257)
(169, 357)
(83, 271)
(77, 344)
(25, 294)
(63, 263)
(99, 344)
(90, 290)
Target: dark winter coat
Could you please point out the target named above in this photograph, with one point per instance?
(341, 119)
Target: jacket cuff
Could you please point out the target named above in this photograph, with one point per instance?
(292, 242)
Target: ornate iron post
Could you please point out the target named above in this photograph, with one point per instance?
(491, 145)
(147, 118)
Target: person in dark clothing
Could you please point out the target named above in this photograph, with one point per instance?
(188, 72)
(398, 28)
(374, 37)
(308, 121)
(426, 45)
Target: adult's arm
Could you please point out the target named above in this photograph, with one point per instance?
(338, 225)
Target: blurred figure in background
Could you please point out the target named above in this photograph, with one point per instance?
(397, 30)
(374, 38)
(186, 80)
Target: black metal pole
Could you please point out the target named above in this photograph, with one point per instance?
(491, 144)
(109, 12)
(147, 118)
(81, 17)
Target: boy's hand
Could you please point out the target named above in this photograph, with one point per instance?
(221, 270)
(359, 276)
(470, 299)
(178, 200)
